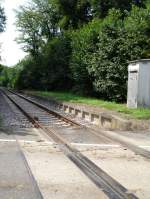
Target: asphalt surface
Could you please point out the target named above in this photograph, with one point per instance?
(15, 180)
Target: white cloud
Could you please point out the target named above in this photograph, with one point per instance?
(11, 52)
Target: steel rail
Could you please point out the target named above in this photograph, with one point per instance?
(57, 115)
(31, 176)
(110, 187)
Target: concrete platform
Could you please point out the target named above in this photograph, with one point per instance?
(15, 181)
(26, 134)
(82, 135)
(131, 170)
(140, 139)
(57, 176)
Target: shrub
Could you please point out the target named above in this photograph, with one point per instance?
(55, 65)
(83, 44)
(29, 75)
(92, 59)
(50, 70)
(117, 45)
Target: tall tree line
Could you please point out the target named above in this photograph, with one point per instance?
(81, 45)
(42, 20)
(2, 21)
(2, 28)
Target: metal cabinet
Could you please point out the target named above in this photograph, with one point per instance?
(139, 84)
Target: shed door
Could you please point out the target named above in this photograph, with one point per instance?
(132, 89)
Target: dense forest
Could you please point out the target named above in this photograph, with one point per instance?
(82, 46)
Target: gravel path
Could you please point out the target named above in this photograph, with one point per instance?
(10, 116)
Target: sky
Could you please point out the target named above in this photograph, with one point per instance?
(11, 52)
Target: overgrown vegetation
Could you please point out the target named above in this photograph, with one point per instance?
(113, 106)
(80, 46)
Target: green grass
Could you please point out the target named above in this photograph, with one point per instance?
(121, 108)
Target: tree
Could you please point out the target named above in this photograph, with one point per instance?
(29, 73)
(29, 27)
(37, 23)
(100, 7)
(2, 19)
(83, 45)
(48, 13)
(2, 22)
(56, 63)
(74, 13)
(120, 41)
(1, 68)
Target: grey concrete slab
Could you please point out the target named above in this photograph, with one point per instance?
(15, 181)
(27, 134)
(129, 169)
(137, 137)
(82, 135)
(57, 176)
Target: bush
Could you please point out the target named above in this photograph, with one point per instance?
(7, 76)
(28, 73)
(83, 44)
(55, 65)
(117, 45)
(48, 71)
(92, 59)
(137, 25)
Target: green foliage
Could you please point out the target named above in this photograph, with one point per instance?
(56, 62)
(54, 72)
(137, 24)
(2, 19)
(2, 23)
(28, 24)
(138, 20)
(29, 75)
(109, 64)
(74, 13)
(69, 50)
(83, 44)
(101, 7)
(37, 23)
(1, 68)
(142, 113)
(7, 76)
(117, 45)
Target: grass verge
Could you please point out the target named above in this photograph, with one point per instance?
(142, 113)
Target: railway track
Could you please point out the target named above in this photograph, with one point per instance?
(45, 119)
(101, 135)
